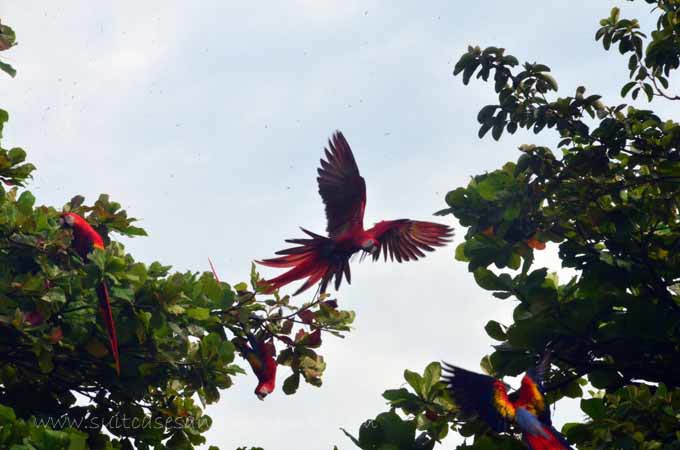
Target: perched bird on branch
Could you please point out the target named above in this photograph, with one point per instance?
(86, 239)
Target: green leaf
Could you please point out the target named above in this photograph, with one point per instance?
(413, 379)
(495, 330)
(198, 313)
(25, 202)
(8, 69)
(627, 87)
(7, 414)
(493, 185)
(488, 280)
(486, 113)
(291, 384)
(460, 253)
(484, 129)
(431, 376)
(603, 378)
(17, 155)
(594, 407)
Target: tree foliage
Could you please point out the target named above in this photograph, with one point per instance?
(179, 333)
(610, 202)
(7, 41)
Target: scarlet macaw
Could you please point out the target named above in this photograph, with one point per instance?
(343, 191)
(526, 408)
(261, 355)
(85, 239)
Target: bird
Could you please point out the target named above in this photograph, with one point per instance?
(86, 239)
(320, 259)
(261, 355)
(526, 408)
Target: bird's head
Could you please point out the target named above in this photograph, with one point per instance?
(370, 245)
(263, 390)
(67, 220)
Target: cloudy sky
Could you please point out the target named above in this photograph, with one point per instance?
(207, 119)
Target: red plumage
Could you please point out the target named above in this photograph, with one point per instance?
(85, 239)
(553, 441)
(261, 355)
(320, 259)
(487, 397)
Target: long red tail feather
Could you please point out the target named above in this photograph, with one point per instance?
(552, 440)
(213, 270)
(311, 259)
(107, 315)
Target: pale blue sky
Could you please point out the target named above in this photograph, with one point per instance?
(207, 119)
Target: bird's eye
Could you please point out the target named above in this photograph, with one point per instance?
(67, 220)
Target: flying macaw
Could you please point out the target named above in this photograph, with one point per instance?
(86, 239)
(526, 408)
(343, 192)
(261, 355)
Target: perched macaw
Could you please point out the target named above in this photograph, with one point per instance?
(526, 408)
(261, 355)
(85, 239)
(343, 191)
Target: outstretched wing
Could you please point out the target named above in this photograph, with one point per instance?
(531, 394)
(342, 189)
(481, 394)
(406, 239)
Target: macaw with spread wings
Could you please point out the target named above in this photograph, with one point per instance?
(526, 408)
(343, 191)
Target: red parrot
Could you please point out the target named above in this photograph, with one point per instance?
(85, 239)
(526, 408)
(261, 355)
(343, 192)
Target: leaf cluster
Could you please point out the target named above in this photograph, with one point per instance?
(179, 333)
(7, 41)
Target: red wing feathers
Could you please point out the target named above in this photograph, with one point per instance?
(405, 239)
(531, 394)
(342, 189)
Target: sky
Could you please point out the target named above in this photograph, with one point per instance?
(206, 120)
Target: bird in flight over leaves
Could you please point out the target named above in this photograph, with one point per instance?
(526, 408)
(86, 239)
(324, 258)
